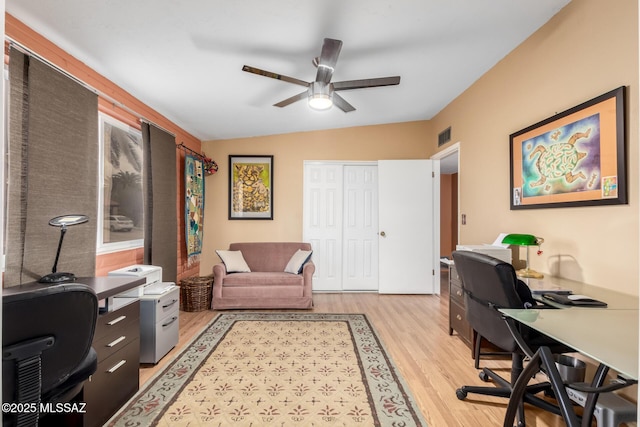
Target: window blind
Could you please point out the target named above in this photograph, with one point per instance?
(53, 170)
(161, 222)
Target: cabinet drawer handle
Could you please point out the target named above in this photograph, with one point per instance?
(459, 293)
(458, 317)
(116, 341)
(173, 319)
(116, 320)
(116, 366)
(170, 304)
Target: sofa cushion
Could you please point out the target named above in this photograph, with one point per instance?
(262, 279)
(268, 256)
(264, 296)
(233, 261)
(297, 261)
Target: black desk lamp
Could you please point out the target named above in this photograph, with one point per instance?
(63, 222)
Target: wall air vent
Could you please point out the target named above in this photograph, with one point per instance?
(444, 136)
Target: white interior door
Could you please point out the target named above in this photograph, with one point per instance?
(322, 222)
(409, 226)
(360, 228)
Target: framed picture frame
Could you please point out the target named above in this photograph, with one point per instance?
(574, 158)
(250, 187)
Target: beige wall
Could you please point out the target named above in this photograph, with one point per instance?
(394, 141)
(589, 48)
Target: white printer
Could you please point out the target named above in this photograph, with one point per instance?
(152, 273)
(497, 249)
(503, 254)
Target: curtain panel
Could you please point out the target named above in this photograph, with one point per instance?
(160, 217)
(53, 171)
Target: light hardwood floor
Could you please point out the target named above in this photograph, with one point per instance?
(414, 330)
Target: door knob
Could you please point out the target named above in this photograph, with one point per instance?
(383, 234)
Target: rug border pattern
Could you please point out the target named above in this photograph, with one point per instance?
(157, 395)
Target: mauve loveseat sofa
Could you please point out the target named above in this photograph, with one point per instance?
(267, 286)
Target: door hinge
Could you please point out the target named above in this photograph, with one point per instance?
(433, 272)
(433, 174)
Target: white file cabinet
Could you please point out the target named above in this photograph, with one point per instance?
(159, 324)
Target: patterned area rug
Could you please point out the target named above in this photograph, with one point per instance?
(277, 369)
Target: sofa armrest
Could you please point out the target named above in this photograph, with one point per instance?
(219, 273)
(307, 276)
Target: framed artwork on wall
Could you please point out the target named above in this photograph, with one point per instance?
(250, 187)
(574, 158)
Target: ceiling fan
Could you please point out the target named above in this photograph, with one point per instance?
(321, 92)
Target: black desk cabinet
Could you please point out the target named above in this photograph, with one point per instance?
(117, 342)
(457, 318)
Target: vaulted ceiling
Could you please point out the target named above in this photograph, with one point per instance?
(185, 58)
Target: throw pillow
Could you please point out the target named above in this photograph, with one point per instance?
(234, 261)
(297, 261)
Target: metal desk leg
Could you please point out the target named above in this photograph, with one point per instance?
(542, 357)
(592, 398)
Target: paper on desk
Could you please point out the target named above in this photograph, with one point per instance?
(499, 239)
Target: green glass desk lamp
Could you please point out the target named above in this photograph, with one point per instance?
(525, 240)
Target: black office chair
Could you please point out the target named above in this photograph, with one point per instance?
(46, 346)
(489, 284)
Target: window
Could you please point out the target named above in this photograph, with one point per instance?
(121, 208)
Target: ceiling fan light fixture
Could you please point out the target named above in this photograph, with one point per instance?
(320, 102)
(320, 96)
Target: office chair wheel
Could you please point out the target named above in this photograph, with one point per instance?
(461, 394)
(484, 377)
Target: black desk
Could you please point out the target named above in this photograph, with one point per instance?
(117, 342)
(104, 287)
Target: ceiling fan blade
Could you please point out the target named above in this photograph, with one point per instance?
(328, 59)
(276, 76)
(294, 98)
(359, 84)
(339, 102)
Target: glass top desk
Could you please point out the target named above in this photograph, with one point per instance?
(614, 299)
(608, 336)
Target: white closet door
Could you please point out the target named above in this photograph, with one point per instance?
(345, 205)
(322, 222)
(408, 226)
(360, 228)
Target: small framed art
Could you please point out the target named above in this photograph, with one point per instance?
(250, 187)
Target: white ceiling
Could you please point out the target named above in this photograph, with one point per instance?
(184, 58)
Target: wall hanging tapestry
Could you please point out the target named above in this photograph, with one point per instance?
(279, 369)
(194, 205)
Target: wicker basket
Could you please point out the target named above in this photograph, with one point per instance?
(196, 293)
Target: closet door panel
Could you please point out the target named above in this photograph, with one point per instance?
(360, 228)
(322, 223)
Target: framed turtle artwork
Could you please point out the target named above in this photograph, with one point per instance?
(250, 187)
(575, 158)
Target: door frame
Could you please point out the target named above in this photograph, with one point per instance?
(453, 149)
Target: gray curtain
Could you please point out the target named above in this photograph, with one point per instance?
(160, 220)
(53, 170)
